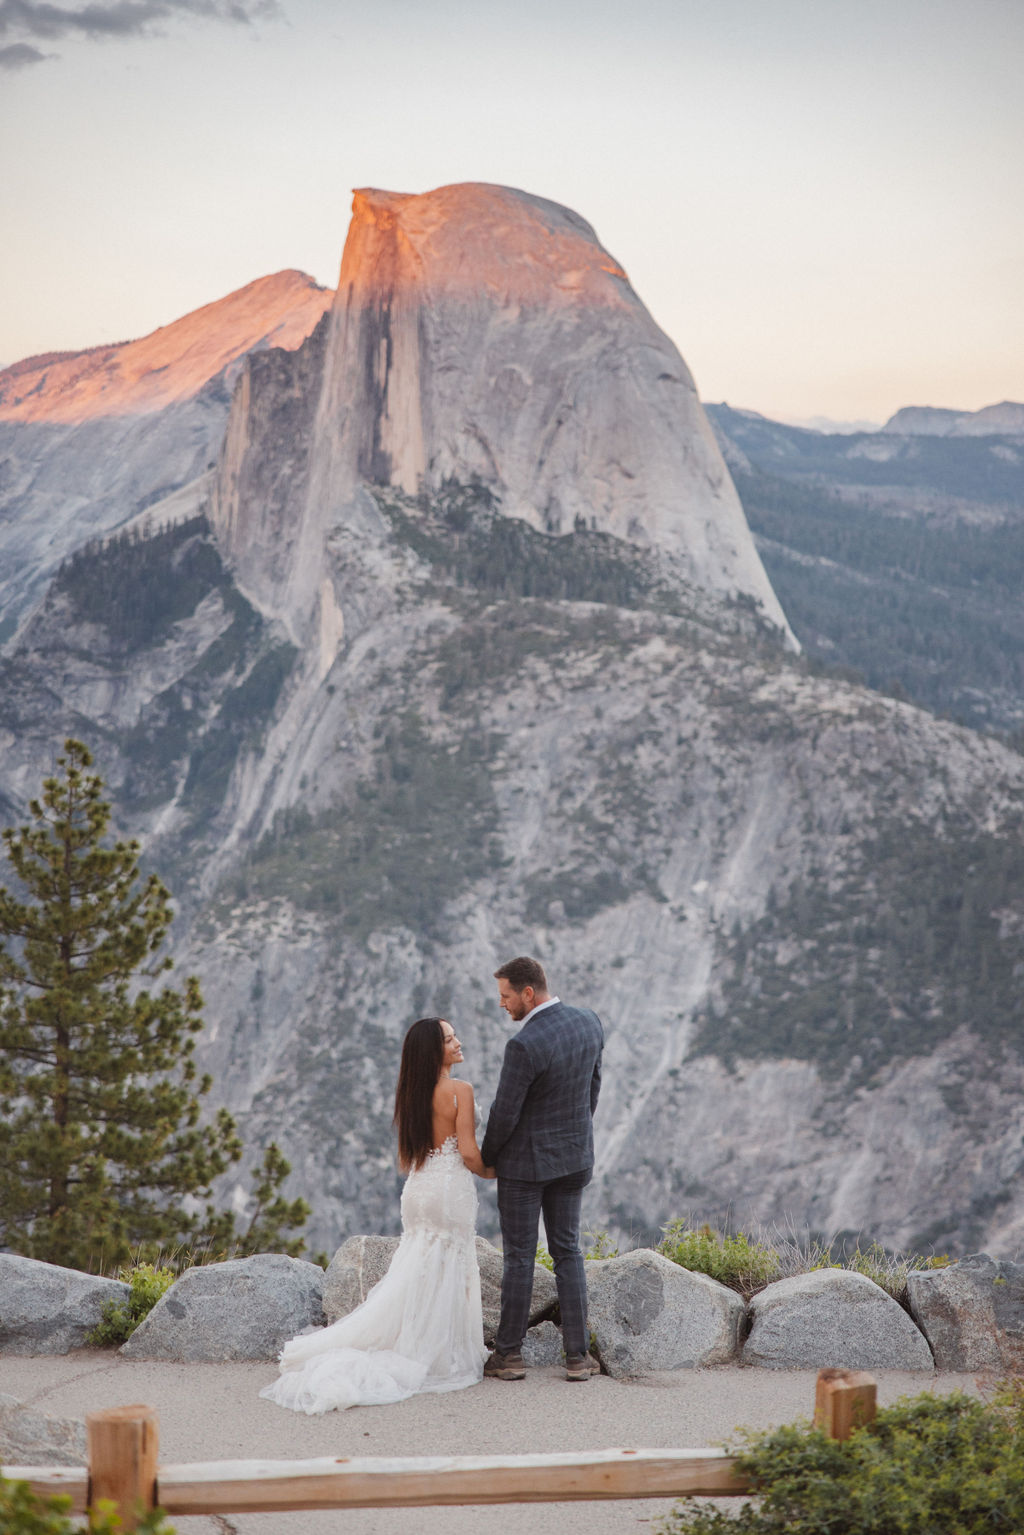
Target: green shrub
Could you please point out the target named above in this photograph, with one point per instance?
(600, 1247)
(734, 1260)
(120, 1318)
(927, 1466)
(888, 1270)
(747, 1263)
(21, 1513)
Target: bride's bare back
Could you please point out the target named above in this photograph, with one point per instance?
(445, 1108)
(453, 1106)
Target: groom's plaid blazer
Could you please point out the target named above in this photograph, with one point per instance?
(541, 1124)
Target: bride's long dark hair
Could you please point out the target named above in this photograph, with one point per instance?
(422, 1060)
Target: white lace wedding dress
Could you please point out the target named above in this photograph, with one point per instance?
(421, 1327)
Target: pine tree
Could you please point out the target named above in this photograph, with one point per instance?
(101, 1141)
(270, 1217)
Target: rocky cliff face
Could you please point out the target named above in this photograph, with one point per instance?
(89, 440)
(481, 335)
(378, 741)
(133, 378)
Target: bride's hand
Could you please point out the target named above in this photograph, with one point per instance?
(465, 1131)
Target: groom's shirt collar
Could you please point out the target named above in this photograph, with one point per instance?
(538, 1009)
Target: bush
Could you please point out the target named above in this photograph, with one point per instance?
(888, 1270)
(120, 1318)
(600, 1247)
(734, 1260)
(927, 1466)
(21, 1513)
(747, 1263)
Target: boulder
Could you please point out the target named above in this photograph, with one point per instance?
(353, 1271)
(545, 1293)
(363, 1260)
(832, 1319)
(45, 1309)
(543, 1345)
(647, 1313)
(246, 1308)
(972, 1313)
(31, 1438)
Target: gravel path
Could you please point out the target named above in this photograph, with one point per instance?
(213, 1412)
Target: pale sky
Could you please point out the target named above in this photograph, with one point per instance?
(819, 200)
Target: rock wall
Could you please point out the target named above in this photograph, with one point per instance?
(646, 1314)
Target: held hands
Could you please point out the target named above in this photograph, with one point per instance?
(474, 1161)
(465, 1130)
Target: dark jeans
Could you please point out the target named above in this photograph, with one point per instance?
(519, 1206)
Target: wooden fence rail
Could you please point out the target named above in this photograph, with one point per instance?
(123, 1467)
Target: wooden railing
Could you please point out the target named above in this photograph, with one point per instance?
(123, 1445)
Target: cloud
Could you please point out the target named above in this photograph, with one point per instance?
(20, 55)
(120, 19)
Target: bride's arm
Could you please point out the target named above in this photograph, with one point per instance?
(465, 1130)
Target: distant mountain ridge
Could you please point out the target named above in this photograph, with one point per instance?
(1005, 419)
(168, 366)
(896, 554)
(90, 439)
(829, 425)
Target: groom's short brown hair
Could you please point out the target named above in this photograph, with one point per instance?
(523, 972)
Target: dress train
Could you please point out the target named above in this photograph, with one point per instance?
(421, 1327)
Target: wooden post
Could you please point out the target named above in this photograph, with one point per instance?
(844, 1400)
(123, 1444)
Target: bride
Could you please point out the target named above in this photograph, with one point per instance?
(421, 1327)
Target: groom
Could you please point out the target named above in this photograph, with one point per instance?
(540, 1137)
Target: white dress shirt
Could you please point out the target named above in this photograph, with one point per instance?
(539, 1008)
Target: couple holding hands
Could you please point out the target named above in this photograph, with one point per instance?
(421, 1327)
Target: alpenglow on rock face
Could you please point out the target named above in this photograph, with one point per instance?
(89, 441)
(482, 334)
(172, 364)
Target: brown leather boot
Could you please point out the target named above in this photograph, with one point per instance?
(505, 1366)
(581, 1366)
